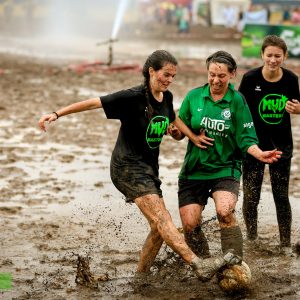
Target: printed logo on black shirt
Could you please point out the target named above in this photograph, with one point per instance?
(156, 130)
(272, 107)
(257, 88)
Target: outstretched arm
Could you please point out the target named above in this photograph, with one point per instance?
(88, 104)
(268, 157)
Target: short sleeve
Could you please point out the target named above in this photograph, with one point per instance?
(185, 112)
(242, 85)
(245, 130)
(114, 104)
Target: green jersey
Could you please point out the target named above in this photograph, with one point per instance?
(228, 121)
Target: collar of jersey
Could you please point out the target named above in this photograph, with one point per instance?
(227, 97)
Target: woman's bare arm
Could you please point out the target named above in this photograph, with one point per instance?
(84, 105)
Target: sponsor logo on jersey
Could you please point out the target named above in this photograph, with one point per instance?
(226, 114)
(156, 130)
(214, 124)
(248, 125)
(272, 107)
(257, 88)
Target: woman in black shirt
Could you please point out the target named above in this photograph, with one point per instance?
(268, 89)
(145, 113)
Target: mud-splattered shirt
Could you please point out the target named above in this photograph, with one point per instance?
(266, 101)
(140, 134)
(228, 121)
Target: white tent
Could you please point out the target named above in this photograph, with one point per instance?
(217, 9)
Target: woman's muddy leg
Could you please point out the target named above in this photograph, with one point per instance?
(157, 215)
(149, 251)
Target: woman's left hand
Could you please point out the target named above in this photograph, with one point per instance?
(293, 106)
(267, 157)
(270, 157)
(174, 132)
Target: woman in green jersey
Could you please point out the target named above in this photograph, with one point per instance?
(221, 132)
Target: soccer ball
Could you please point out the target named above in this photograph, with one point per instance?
(235, 278)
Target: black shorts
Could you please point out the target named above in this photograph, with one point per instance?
(134, 179)
(193, 191)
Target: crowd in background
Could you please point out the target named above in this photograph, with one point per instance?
(166, 12)
(184, 14)
(142, 14)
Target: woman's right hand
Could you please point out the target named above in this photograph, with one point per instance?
(76, 107)
(202, 140)
(47, 118)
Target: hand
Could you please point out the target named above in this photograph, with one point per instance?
(46, 118)
(270, 157)
(174, 132)
(293, 106)
(201, 140)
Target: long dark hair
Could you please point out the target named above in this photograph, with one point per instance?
(157, 60)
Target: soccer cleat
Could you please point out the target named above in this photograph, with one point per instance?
(205, 269)
(287, 251)
(231, 258)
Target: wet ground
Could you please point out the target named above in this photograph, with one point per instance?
(61, 218)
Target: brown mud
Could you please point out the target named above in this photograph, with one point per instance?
(64, 224)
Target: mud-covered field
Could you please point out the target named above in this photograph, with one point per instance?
(66, 232)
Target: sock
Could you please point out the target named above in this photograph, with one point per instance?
(231, 238)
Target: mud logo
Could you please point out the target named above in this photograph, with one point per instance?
(156, 130)
(271, 108)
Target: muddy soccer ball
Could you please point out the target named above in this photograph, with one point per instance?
(236, 278)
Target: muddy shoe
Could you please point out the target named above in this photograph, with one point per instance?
(252, 236)
(297, 248)
(141, 277)
(231, 258)
(205, 269)
(287, 251)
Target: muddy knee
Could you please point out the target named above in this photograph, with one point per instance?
(226, 219)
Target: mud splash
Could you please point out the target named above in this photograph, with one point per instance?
(84, 276)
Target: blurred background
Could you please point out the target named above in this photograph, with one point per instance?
(75, 27)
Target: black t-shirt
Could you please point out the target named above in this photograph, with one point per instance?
(266, 101)
(139, 136)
